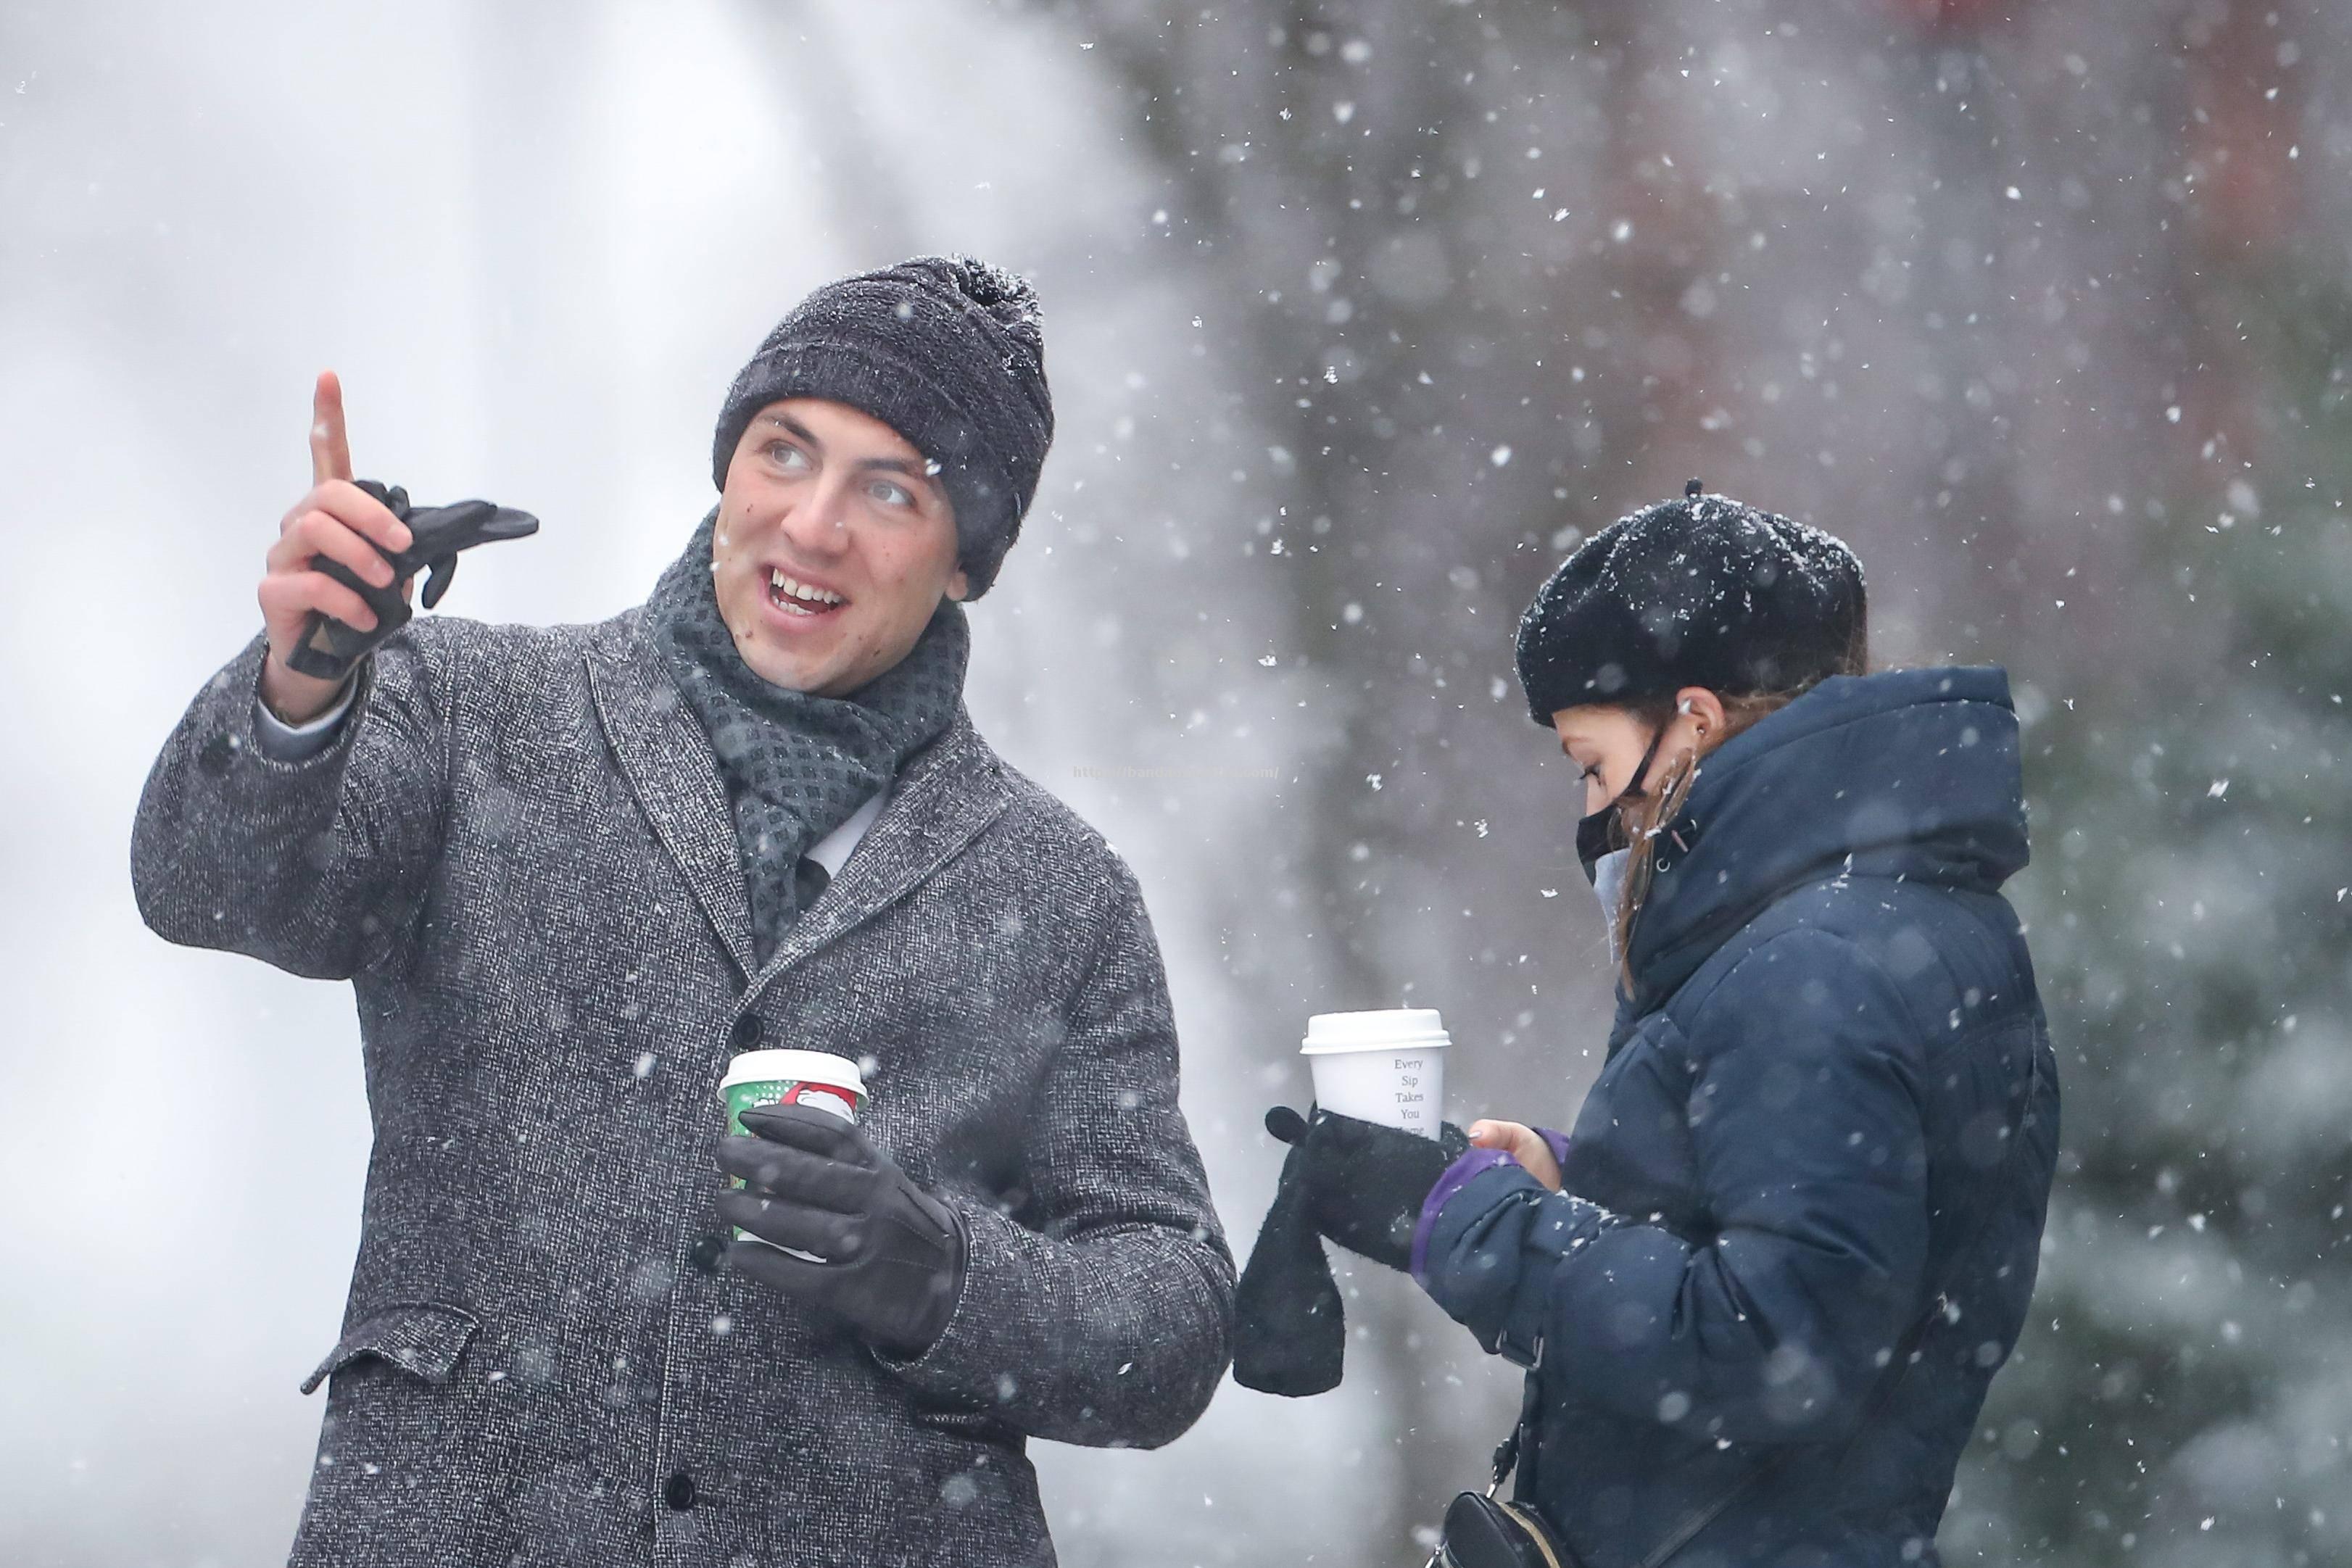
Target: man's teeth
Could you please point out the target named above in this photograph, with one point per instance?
(793, 588)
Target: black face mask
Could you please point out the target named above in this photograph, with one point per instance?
(1603, 833)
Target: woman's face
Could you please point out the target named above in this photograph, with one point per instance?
(1606, 742)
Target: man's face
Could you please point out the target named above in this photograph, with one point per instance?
(834, 545)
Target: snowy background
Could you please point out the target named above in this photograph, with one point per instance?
(1359, 315)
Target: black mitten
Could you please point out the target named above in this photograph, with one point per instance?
(1356, 1182)
(1289, 1333)
(328, 648)
(1365, 1183)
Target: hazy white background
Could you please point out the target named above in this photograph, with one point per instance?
(1359, 313)
(537, 246)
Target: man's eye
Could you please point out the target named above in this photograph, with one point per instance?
(787, 455)
(893, 495)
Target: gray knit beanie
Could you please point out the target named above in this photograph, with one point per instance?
(948, 351)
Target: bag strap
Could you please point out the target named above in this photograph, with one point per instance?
(1521, 1444)
(1507, 1453)
(1889, 1380)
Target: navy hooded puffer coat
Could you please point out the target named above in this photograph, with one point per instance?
(1829, 1096)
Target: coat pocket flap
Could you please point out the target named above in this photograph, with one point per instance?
(425, 1338)
(973, 1423)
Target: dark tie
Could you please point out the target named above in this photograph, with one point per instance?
(810, 879)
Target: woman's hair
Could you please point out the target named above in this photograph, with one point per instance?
(1739, 711)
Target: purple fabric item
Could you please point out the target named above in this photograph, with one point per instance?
(1557, 1143)
(1473, 1163)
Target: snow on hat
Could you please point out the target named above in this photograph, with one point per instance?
(1700, 590)
(948, 351)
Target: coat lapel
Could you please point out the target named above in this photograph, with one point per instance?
(669, 764)
(946, 794)
(949, 792)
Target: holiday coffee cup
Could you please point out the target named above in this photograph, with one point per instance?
(756, 1078)
(1386, 1066)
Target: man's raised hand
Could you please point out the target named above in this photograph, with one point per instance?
(336, 519)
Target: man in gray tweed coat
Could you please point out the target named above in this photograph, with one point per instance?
(570, 871)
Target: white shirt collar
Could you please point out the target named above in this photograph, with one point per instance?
(832, 851)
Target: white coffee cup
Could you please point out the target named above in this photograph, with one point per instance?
(1386, 1066)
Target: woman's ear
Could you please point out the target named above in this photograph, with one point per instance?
(1703, 709)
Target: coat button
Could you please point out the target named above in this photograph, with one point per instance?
(708, 1254)
(678, 1492)
(217, 754)
(746, 1032)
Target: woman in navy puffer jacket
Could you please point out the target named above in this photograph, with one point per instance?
(1769, 1274)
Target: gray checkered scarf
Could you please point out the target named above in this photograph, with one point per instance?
(797, 765)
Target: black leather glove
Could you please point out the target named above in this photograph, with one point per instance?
(893, 1254)
(328, 648)
(1364, 1181)
(1363, 1186)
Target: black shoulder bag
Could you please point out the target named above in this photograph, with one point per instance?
(1482, 1533)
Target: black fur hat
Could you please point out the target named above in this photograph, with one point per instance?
(1700, 590)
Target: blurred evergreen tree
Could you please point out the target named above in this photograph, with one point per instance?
(2184, 1391)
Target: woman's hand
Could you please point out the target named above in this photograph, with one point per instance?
(1523, 1145)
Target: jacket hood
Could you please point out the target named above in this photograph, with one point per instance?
(1912, 774)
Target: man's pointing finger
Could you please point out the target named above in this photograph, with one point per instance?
(330, 450)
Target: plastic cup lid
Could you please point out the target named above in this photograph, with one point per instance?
(1381, 1029)
(796, 1067)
